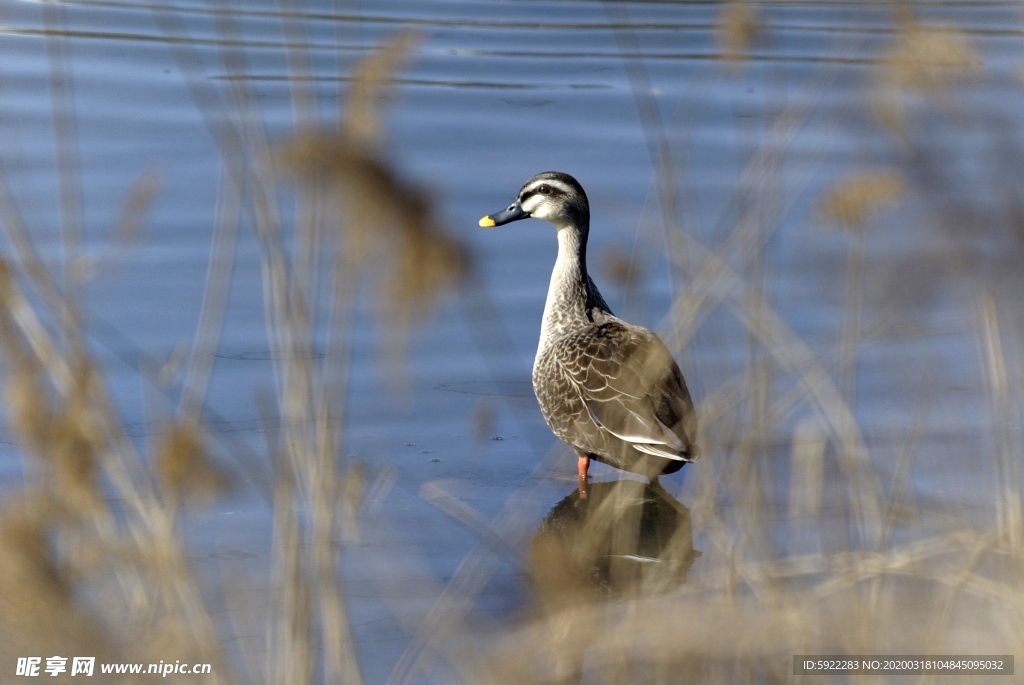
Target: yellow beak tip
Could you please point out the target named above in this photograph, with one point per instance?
(486, 222)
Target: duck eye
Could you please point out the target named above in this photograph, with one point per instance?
(544, 190)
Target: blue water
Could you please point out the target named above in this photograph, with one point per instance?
(498, 92)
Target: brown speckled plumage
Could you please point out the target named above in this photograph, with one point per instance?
(605, 388)
(610, 389)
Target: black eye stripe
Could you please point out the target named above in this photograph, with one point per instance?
(530, 193)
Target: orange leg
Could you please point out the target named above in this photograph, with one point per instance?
(582, 465)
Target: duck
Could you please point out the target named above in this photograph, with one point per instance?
(609, 389)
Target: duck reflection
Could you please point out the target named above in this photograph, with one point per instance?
(625, 539)
(625, 536)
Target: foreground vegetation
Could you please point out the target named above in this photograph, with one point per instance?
(808, 543)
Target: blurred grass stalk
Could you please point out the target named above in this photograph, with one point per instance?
(840, 559)
(830, 575)
(61, 540)
(352, 211)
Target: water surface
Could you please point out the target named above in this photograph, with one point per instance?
(498, 92)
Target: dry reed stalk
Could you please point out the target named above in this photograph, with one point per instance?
(63, 417)
(855, 200)
(354, 210)
(922, 60)
(215, 295)
(68, 163)
(752, 605)
(738, 29)
(1009, 510)
(846, 584)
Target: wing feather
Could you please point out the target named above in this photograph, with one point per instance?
(631, 387)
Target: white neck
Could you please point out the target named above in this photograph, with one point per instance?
(566, 301)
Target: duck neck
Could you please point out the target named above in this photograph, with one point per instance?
(572, 296)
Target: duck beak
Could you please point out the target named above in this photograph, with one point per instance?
(513, 213)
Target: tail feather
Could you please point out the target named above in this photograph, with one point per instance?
(665, 452)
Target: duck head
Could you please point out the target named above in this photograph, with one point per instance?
(552, 196)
